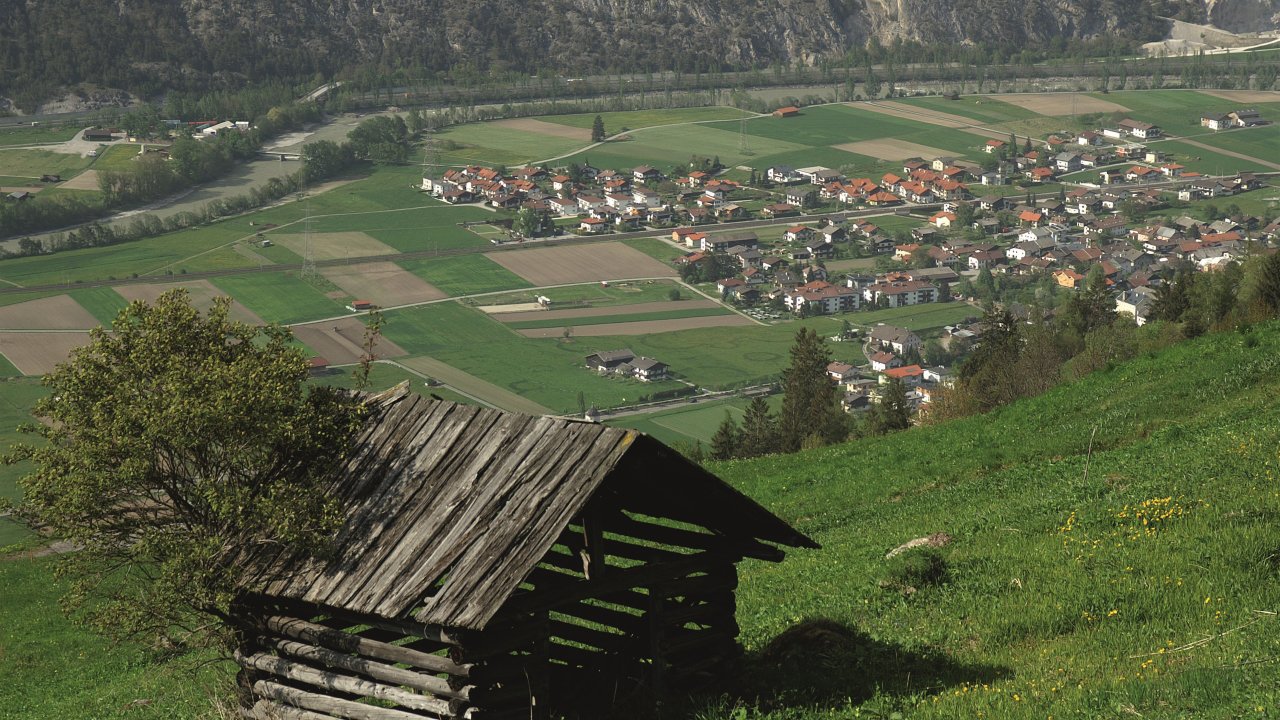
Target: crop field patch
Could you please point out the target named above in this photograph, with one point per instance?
(540, 127)
(699, 423)
(1246, 97)
(59, 312)
(891, 149)
(581, 264)
(1059, 104)
(37, 353)
(932, 117)
(383, 283)
(335, 245)
(471, 385)
(341, 342)
(586, 312)
(643, 327)
(201, 292)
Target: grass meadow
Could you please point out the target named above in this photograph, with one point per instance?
(36, 135)
(607, 319)
(464, 274)
(281, 297)
(31, 164)
(636, 119)
(495, 144)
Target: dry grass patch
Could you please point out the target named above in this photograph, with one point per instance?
(642, 327)
(581, 264)
(201, 292)
(383, 283)
(890, 149)
(52, 313)
(341, 342)
(334, 245)
(37, 353)
(541, 127)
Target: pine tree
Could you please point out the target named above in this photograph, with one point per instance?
(724, 444)
(759, 430)
(1269, 284)
(597, 129)
(893, 412)
(809, 406)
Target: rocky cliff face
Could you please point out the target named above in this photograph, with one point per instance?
(1244, 16)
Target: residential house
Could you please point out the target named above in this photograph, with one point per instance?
(900, 293)
(783, 175)
(881, 361)
(1137, 302)
(897, 339)
(1067, 162)
(798, 233)
(841, 372)
(820, 298)
(1139, 129)
(778, 210)
(1215, 121)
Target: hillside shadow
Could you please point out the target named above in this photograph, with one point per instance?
(823, 664)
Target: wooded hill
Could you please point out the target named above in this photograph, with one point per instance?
(148, 46)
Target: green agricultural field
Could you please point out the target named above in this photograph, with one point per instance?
(593, 294)
(13, 298)
(851, 164)
(120, 157)
(1260, 142)
(464, 274)
(383, 375)
(674, 145)
(499, 144)
(635, 119)
(982, 109)
(699, 422)
(1176, 111)
(916, 317)
(410, 230)
(280, 297)
(1208, 162)
(838, 124)
(29, 165)
(723, 357)
(103, 303)
(608, 319)
(28, 135)
(659, 250)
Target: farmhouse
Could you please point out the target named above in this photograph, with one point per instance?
(501, 565)
(1139, 129)
(788, 111)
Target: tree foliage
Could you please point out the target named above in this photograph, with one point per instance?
(171, 445)
(810, 412)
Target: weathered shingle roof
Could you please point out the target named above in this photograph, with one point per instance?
(450, 507)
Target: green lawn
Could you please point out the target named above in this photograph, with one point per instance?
(1176, 111)
(17, 396)
(837, 124)
(118, 157)
(665, 147)
(1206, 161)
(464, 274)
(28, 135)
(659, 250)
(54, 669)
(410, 230)
(917, 317)
(635, 119)
(31, 164)
(696, 422)
(280, 297)
(1261, 142)
(497, 144)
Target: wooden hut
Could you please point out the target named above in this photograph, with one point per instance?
(495, 565)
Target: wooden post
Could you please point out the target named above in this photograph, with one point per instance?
(657, 677)
(593, 557)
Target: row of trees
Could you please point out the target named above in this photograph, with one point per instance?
(1019, 358)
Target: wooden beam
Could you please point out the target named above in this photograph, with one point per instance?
(343, 683)
(376, 670)
(314, 634)
(316, 702)
(268, 710)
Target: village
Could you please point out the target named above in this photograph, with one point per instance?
(1040, 210)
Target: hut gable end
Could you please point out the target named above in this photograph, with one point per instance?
(450, 508)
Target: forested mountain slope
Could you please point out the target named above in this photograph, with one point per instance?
(149, 45)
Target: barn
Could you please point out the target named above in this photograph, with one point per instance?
(496, 565)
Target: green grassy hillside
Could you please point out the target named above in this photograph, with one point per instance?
(1146, 586)
(1138, 579)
